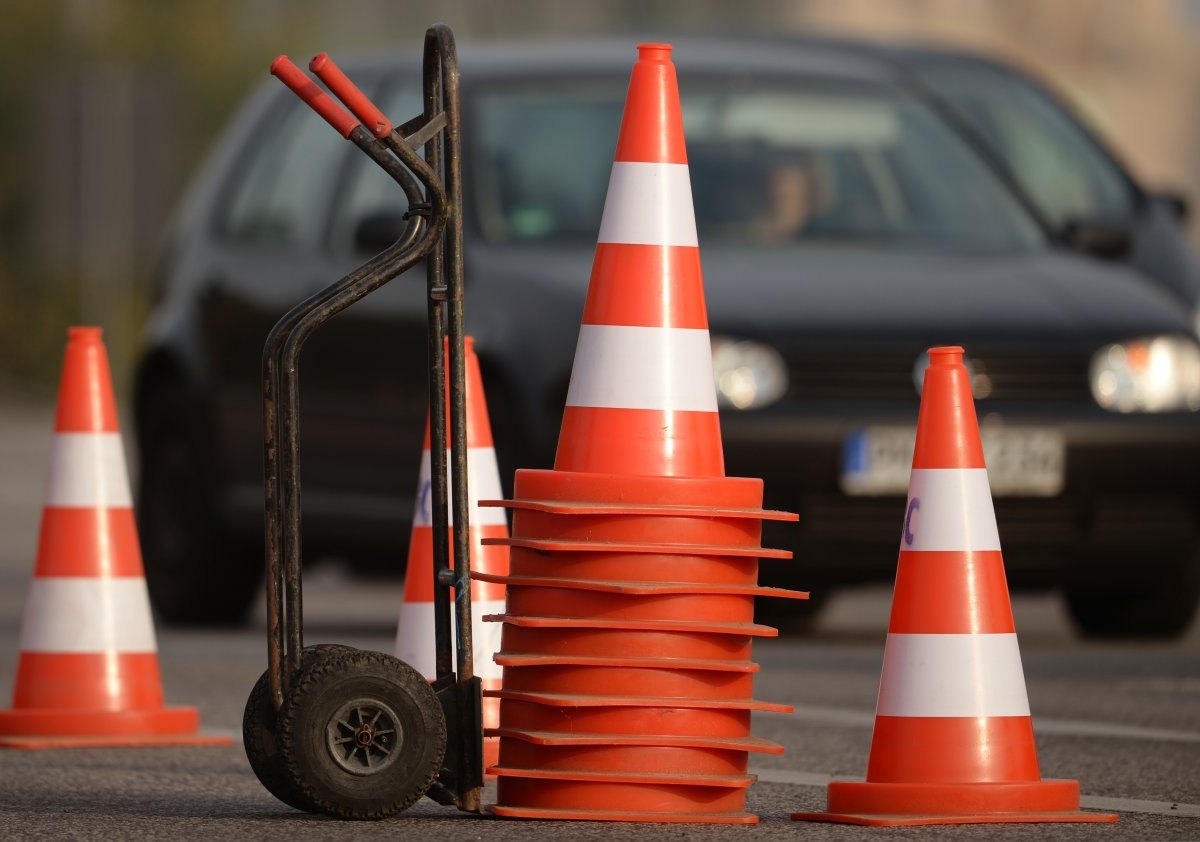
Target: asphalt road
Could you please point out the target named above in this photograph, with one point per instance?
(1124, 719)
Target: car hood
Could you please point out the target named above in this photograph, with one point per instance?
(1041, 297)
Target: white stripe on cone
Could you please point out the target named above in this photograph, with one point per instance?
(624, 367)
(75, 614)
(87, 470)
(949, 509)
(952, 675)
(483, 483)
(649, 204)
(415, 645)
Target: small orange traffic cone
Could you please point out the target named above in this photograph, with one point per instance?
(88, 670)
(629, 614)
(953, 740)
(414, 632)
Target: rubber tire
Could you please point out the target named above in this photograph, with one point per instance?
(197, 573)
(260, 733)
(317, 694)
(1160, 606)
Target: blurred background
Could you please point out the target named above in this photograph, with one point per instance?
(109, 104)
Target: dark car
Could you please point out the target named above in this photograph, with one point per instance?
(845, 227)
(1088, 198)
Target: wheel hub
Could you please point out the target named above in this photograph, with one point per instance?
(364, 736)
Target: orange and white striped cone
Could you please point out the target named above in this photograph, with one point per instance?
(630, 605)
(953, 740)
(88, 670)
(414, 633)
(641, 399)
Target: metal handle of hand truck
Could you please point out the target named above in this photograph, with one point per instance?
(350, 95)
(287, 72)
(282, 350)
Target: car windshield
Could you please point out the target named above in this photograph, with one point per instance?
(770, 166)
(1048, 153)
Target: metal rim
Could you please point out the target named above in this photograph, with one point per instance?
(364, 736)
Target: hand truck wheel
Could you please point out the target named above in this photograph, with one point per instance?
(362, 735)
(260, 726)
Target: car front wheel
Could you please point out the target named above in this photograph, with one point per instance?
(196, 572)
(1151, 604)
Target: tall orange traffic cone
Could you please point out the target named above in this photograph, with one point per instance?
(88, 670)
(641, 399)
(630, 599)
(414, 632)
(953, 740)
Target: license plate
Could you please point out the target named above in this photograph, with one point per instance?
(1025, 461)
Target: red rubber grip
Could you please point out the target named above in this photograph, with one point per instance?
(305, 88)
(348, 93)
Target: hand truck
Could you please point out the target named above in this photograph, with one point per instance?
(350, 733)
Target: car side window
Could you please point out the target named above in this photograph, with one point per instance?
(1049, 154)
(282, 193)
(368, 191)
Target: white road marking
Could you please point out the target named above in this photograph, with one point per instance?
(851, 718)
(797, 777)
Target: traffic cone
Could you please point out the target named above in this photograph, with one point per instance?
(628, 621)
(641, 399)
(88, 668)
(953, 740)
(414, 632)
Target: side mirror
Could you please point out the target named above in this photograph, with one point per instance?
(1106, 240)
(1177, 204)
(376, 231)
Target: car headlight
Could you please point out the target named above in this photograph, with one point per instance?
(1155, 374)
(748, 375)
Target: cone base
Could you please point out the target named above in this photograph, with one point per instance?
(620, 816)
(82, 728)
(893, 804)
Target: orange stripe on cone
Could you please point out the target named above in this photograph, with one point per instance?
(85, 399)
(948, 749)
(88, 671)
(929, 588)
(953, 740)
(617, 292)
(59, 680)
(88, 542)
(652, 123)
(632, 442)
(947, 415)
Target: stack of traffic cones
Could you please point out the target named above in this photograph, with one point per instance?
(953, 741)
(414, 632)
(627, 675)
(88, 670)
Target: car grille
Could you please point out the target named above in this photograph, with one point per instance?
(998, 377)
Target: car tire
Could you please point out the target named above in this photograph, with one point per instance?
(1161, 605)
(196, 572)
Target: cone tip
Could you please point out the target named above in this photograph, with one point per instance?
(654, 52)
(946, 357)
(84, 335)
